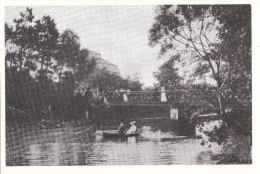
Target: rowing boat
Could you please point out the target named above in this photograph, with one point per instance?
(115, 135)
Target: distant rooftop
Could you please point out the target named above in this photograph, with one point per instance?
(103, 64)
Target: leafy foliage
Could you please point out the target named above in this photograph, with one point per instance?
(46, 41)
(43, 70)
(21, 37)
(216, 40)
(68, 50)
(209, 34)
(168, 74)
(105, 82)
(84, 66)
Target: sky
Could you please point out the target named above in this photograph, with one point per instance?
(119, 33)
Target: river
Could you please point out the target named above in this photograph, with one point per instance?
(152, 148)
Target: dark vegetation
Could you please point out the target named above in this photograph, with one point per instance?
(214, 41)
(50, 80)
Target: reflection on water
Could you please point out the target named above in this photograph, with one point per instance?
(151, 148)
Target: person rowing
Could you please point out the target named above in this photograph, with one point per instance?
(121, 129)
(133, 128)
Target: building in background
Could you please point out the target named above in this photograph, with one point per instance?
(102, 64)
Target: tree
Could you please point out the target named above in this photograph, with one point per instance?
(196, 32)
(31, 48)
(46, 43)
(31, 42)
(216, 39)
(236, 35)
(236, 31)
(168, 74)
(8, 32)
(10, 54)
(105, 82)
(135, 85)
(68, 51)
(20, 38)
(84, 66)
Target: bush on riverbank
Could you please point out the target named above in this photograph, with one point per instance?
(236, 150)
(236, 136)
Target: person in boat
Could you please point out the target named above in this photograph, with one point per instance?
(121, 129)
(133, 128)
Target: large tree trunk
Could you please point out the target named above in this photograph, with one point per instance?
(42, 62)
(219, 96)
(220, 102)
(21, 62)
(47, 66)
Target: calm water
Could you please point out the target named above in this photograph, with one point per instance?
(152, 148)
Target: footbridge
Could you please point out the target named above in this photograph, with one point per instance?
(162, 107)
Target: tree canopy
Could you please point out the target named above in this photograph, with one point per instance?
(202, 35)
(45, 67)
(168, 76)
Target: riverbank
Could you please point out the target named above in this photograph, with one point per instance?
(237, 150)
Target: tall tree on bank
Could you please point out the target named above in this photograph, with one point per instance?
(236, 35)
(84, 65)
(68, 50)
(20, 39)
(31, 45)
(46, 43)
(195, 31)
(168, 73)
(70, 57)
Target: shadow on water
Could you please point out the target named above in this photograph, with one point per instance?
(153, 147)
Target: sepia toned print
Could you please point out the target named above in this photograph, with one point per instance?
(128, 85)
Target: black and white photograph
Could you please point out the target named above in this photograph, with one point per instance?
(124, 85)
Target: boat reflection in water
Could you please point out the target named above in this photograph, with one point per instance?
(132, 140)
(150, 148)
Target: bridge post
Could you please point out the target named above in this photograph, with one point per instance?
(163, 95)
(125, 97)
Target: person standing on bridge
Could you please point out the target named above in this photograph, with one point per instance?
(132, 129)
